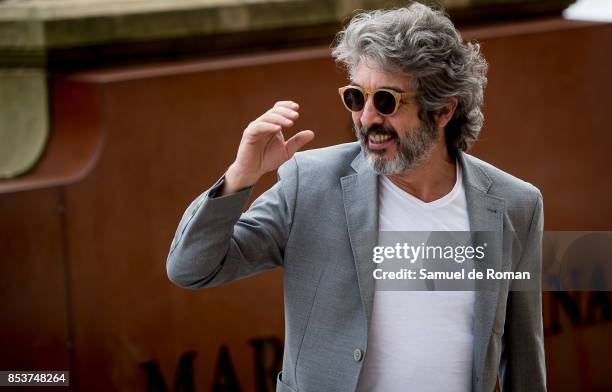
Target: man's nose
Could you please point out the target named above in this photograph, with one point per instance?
(369, 115)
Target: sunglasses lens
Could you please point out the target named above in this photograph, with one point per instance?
(384, 102)
(353, 99)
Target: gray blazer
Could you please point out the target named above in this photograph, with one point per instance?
(319, 222)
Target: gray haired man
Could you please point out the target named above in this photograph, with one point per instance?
(415, 94)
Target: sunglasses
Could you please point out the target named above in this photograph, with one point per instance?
(385, 101)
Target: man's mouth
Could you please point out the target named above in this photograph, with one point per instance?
(380, 140)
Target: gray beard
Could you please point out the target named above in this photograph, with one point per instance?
(412, 149)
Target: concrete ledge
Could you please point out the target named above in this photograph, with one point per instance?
(66, 23)
(32, 24)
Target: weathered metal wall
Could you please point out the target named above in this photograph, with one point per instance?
(82, 277)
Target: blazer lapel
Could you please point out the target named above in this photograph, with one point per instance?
(360, 192)
(486, 214)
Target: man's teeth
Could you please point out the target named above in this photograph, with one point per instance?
(378, 138)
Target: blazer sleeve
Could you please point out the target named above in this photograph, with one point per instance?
(523, 364)
(215, 243)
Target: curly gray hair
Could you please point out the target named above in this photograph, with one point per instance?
(423, 44)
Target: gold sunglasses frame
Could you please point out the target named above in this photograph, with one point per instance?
(399, 97)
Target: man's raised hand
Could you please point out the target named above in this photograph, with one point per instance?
(263, 147)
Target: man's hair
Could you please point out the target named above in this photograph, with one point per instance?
(423, 44)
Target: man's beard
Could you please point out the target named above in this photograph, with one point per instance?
(412, 149)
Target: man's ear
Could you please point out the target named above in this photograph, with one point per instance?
(446, 113)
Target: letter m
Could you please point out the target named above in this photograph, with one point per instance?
(183, 379)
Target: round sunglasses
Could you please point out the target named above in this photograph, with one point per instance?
(386, 101)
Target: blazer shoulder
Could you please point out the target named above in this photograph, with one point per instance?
(328, 162)
(505, 185)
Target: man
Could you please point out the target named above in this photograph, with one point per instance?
(415, 96)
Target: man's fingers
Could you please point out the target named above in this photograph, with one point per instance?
(285, 112)
(257, 128)
(275, 118)
(298, 141)
(288, 104)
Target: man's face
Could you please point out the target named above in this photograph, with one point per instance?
(391, 144)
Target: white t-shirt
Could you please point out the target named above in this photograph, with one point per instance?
(420, 340)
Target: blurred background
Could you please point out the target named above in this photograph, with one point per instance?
(115, 115)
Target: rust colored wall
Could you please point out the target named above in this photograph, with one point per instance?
(34, 311)
(546, 114)
(166, 133)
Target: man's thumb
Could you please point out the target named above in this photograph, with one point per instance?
(298, 141)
